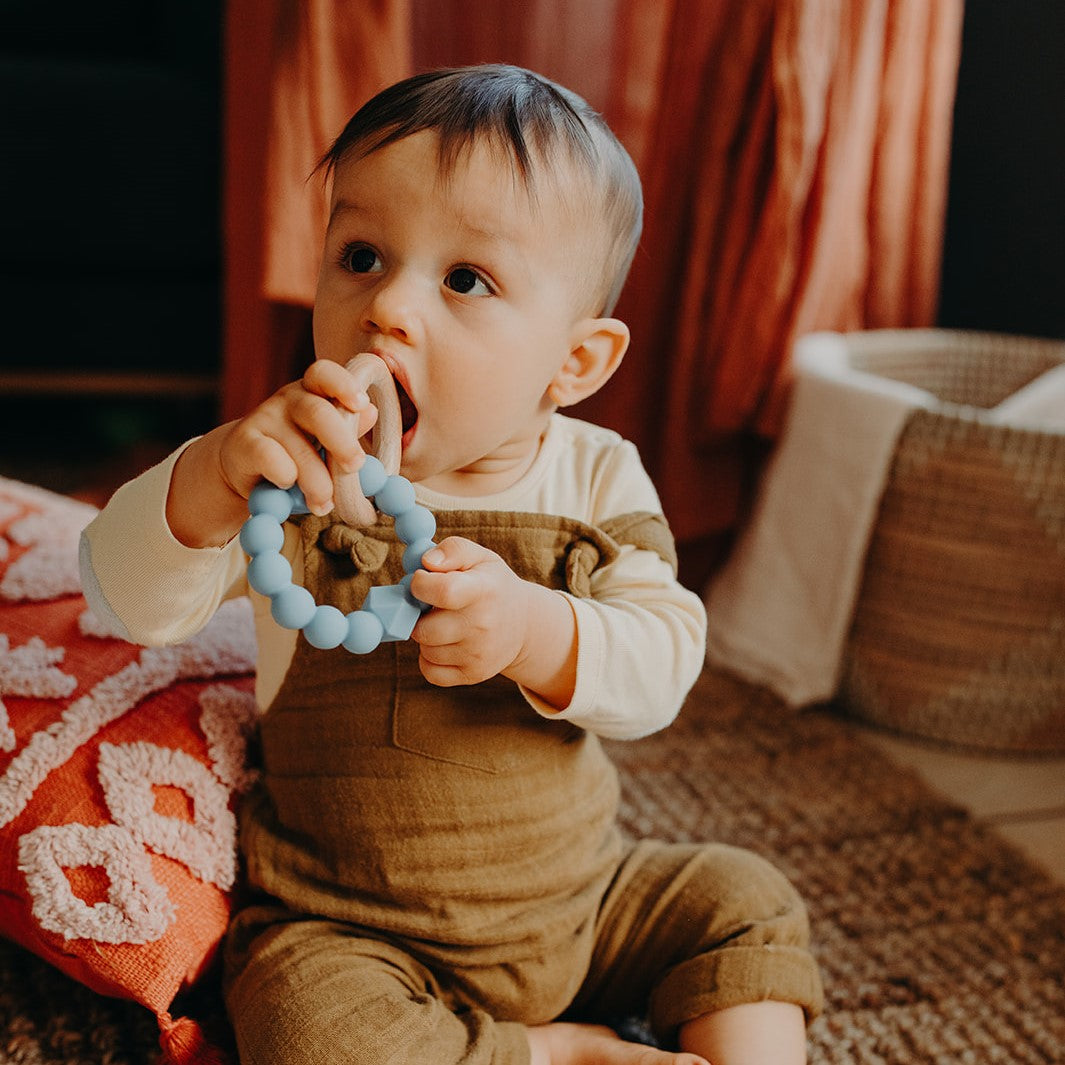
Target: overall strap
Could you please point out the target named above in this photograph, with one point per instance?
(554, 551)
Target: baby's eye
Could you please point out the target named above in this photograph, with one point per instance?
(359, 259)
(467, 282)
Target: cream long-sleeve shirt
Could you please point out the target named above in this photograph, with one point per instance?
(641, 635)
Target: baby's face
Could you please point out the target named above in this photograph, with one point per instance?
(467, 289)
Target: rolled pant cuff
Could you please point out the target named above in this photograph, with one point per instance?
(733, 977)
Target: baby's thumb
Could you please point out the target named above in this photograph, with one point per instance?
(454, 553)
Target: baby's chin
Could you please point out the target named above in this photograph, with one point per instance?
(486, 476)
(465, 481)
(417, 468)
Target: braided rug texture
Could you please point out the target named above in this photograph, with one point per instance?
(938, 942)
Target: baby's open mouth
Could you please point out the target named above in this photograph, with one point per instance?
(408, 411)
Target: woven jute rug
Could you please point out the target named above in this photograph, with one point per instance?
(938, 942)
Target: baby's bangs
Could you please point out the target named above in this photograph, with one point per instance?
(507, 106)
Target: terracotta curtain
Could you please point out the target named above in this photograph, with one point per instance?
(794, 156)
(296, 70)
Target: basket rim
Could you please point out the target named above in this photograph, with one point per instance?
(885, 340)
(901, 359)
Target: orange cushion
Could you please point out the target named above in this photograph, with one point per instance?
(119, 770)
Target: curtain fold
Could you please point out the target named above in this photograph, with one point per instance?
(794, 155)
(296, 70)
(796, 179)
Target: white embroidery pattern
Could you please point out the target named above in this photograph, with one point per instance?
(91, 625)
(9, 509)
(229, 718)
(138, 909)
(207, 844)
(215, 651)
(30, 670)
(49, 569)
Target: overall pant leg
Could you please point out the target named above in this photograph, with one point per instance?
(308, 991)
(692, 929)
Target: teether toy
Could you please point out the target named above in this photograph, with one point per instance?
(389, 612)
(349, 496)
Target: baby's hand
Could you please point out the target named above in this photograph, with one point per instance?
(488, 621)
(279, 440)
(477, 629)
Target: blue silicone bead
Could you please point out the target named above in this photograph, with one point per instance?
(364, 632)
(266, 498)
(396, 497)
(328, 628)
(293, 607)
(299, 504)
(418, 523)
(372, 476)
(395, 609)
(405, 585)
(261, 533)
(412, 556)
(269, 573)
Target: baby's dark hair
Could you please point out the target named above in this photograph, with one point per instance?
(525, 114)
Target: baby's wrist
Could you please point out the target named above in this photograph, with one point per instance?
(203, 509)
(547, 662)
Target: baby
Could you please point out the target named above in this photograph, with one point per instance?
(434, 871)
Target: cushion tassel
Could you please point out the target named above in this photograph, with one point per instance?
(184, 1043)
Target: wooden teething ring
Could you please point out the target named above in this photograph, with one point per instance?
(386, 438)
(389, 612)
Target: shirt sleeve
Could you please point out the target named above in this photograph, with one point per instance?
(641, 634)
(136, 576)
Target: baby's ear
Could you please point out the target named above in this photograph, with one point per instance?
(596, 349)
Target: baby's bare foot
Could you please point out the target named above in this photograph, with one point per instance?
(589, 1044)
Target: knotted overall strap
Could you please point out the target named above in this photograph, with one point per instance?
(557, 552)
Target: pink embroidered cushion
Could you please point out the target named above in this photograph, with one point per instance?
(119, 767)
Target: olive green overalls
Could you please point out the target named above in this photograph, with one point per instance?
(434, 868)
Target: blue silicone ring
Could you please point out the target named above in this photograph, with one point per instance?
(389, 612)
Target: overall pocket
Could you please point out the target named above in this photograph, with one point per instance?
(487, 726)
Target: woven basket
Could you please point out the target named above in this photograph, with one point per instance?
(958, 633)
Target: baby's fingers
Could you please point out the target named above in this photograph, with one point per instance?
(340, 434)
(449, 591)
(267, 447)
(457, 553)
(332, 381)
(332, 427)
(296, 461)
(454, 573)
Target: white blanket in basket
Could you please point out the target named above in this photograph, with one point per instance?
(780, 610)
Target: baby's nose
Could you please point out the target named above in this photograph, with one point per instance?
(394, 310)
